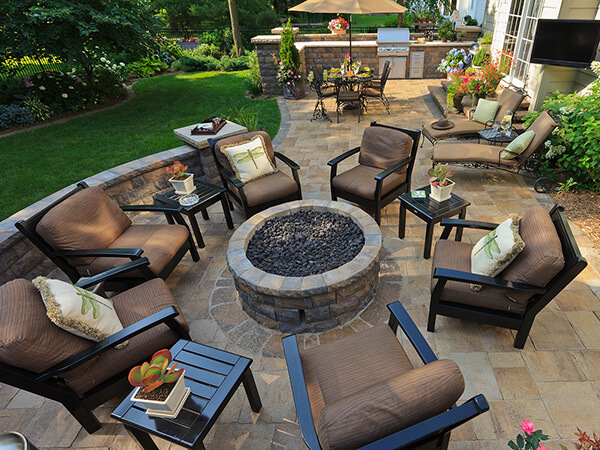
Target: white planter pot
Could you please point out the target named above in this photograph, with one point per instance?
(441, 194)
(170, 405)
(185, 186)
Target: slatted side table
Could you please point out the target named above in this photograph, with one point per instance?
(209, 195)
(432, 212)
(213, 376)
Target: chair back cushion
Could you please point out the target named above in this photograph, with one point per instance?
(237, 139)
(486, 111)
(509, 100)
(542, 127)
(29, 340)
(89, 219)
(249, 159)
(518, 146)
(390, 406)
(542, 259)
(383, 147)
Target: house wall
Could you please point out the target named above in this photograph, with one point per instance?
(473, 8)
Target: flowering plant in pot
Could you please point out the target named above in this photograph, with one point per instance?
(182, 182)
(290, 75)
(338, 25)
(160, 388)
(441, 185)
(455, 61)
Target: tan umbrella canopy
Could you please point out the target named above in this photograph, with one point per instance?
(350, 7)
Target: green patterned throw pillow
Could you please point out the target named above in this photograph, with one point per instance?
(78, 311)
(249, 160)
(495, 251)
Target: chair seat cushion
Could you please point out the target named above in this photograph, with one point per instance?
(371, 91)
(468, 152)
(461, 128)
(269, 188)
(390, 406)
(89, 219)
(346, 366)
(159, 242)
(457, 256)
(360, 181)
(132, 306)
(28, 340)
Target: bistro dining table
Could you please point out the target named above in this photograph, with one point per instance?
(349, 92)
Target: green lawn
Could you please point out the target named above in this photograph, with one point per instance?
(362, 20)
(36, 163)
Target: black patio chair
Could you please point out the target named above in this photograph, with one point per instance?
(39, 357)
(512, 299)
(324, 90)
(86, 233)
(362, 391)
(376, 88)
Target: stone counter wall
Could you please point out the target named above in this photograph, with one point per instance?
(132, 183)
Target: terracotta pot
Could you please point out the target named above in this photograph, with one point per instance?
(342, 31)
(294, 91)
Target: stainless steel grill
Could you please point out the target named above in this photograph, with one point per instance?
(392, 45)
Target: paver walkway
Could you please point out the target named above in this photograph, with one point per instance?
(554, 381)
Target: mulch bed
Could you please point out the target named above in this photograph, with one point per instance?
(583, 209)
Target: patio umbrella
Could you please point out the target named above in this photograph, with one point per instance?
(350, 7)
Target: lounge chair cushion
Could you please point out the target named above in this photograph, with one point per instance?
(390, 406)
(269, 188)
(518, 145)
(383, 147)
(496, 250)
(360, 181)
(89, 219)
(341, 368)
(486, 111)
(132, 306)
(470, 152)
(542, 126)
(457, 256)
(462, 127)
(541, 260)
(159, 242)
(78, 311)
(249, 159)
(509, 100)
(28, 340)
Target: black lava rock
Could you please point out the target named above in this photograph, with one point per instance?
(305, 243)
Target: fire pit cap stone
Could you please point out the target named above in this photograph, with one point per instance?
(314, 284)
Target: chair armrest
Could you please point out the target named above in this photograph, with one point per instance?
(417, 434)
(133, 253)
(287, 161)
(152, 208)
(300, 393)
(391, 169)
(108, 343)
(141, 264)
(399, 316)
(467, 277)
(233, 179)
(468, 224)
(343, 156)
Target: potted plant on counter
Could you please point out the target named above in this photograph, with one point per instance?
(338, 25)
(289, 74)
(445, 30)
(160, 388)
(182, 182)
(441, 185)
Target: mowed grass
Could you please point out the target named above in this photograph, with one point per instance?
(38, 162)
(363, 20)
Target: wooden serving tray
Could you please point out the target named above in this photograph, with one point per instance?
(217, 125)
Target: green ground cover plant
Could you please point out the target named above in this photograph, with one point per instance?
(55, 156)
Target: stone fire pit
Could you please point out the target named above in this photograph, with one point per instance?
(311, 303)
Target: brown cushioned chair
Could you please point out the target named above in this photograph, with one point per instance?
(512, 299)
(363, 389)
(264, 192)
(488, 156)
(39, 357)
(509, 99)
(385, 163)
(85, 233)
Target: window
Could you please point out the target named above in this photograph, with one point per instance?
(520, 29)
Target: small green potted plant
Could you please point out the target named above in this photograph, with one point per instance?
(445, 30)
(441, 185)
(182, 181)
(160, 388)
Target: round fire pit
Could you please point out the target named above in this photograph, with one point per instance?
(310, 303)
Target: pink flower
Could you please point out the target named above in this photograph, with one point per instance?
(289, 82)
(28, 83)
(79, 80)
(541, 447)
(527, 427)
(278, 74)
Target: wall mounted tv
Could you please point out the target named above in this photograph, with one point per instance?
(571, 43)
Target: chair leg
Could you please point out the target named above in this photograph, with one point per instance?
(432, 316)
(84, 416)
(523, 332)
(378, 216)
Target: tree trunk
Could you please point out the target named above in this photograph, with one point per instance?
(235, 28)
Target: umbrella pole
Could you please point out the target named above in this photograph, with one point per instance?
(350, 28)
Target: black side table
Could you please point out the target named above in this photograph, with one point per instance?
(497, 136)
(213, 376)
(432, 212)
(209, 195)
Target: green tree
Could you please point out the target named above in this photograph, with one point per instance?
(290, 57)
(76, 32)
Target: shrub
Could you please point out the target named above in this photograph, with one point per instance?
(470, 21)
(14, 116)
(38, 110)
(482, 57)
(145, 67)
(267, 19)
(486, 39)
(245, 118)
(290, 57)
(197, 63)
(445, 30)
(253, 81)
(228, 64)
(207, 50)
(11, 88)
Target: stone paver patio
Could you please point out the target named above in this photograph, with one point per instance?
(554, 381)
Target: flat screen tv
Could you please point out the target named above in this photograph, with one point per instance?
(571, 43)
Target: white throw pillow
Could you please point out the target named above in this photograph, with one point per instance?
(249, 159)
(495, 251)
(78, 311)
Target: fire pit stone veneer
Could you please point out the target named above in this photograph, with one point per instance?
(313, 303)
